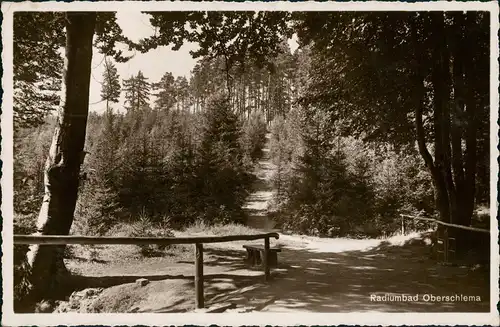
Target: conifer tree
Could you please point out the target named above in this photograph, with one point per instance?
(165, 96)
(182, 92)
(137, 90)
(224, 180)
(110, 91)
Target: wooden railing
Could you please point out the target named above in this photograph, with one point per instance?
(473, 229)
(197, 241)
(446, 244)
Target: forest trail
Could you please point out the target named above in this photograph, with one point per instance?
(257, 204)
(313, 274)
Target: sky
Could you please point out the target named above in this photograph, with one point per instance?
(153, 64)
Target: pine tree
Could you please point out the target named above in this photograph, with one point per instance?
(182, 92)
(110, 90)
(137, 90)
(97, 204)
(166, 95)
(224, 179)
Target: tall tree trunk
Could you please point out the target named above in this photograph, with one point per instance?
(66, 154)
(438, 181)
(422, 147)
(471, 128)
(464, 126)
(457, 114)
(440, 78)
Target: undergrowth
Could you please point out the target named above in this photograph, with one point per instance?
(219, 229)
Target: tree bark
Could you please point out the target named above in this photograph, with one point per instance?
(457, 115)
(471, 126)
(62, 168)
(441, 196)
(437, 178)
(440, 78)
(454, 118)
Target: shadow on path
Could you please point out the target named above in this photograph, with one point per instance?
(312, 281)
(316, 280)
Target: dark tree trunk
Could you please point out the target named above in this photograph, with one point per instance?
(447, 167)
(66, 154)
(438, 180)
(458, 117)
(446, 120)
(471, 85)
(439, 147)
(454, 120)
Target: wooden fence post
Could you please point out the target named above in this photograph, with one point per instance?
(198, 277)
(265, 261)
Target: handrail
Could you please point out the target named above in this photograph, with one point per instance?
(474, 229)
(72, 239)
(196, 240)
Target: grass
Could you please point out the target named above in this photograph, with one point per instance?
(401, 240)
(96, 254)
(91, 254)
(113, 260)
(220, 229)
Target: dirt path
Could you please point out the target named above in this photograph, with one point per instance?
(313, 274)
(257, 204)
(341, 275)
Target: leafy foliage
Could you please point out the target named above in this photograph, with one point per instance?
(39, 39)
(387, 77)
(225, 180)
(37, 66)
(23, 224)
(144, 227)
(235, 36)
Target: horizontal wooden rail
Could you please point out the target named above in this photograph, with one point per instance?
(473, 229)
(71, 239)
(197, 241)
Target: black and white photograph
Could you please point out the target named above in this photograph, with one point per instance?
(232, 162)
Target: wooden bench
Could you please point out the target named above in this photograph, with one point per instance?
(255, 253)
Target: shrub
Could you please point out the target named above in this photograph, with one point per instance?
(144, 227)
(96, 210)
(24, 225)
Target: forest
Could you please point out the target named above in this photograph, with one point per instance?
(373, 115)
